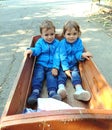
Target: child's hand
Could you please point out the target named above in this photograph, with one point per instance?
(68, 73)
(87, 55)
(54, 72)
(28, 52)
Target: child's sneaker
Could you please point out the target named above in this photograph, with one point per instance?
(82, 95)
(62, 92)
(53, 94)
(32, 100)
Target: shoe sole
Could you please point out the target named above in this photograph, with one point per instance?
(84, 96)
(62, 93)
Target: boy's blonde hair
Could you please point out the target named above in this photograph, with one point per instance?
(70, 25)
(47, 24)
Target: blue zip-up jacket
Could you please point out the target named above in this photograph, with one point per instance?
(45, 52)
(71, 53)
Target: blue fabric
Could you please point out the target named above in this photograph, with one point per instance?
(56, 60)
(40, 72)
(29, 110)
(45, 52)
(68, 58)
(62, 77)
(76, 79)
(71, 53)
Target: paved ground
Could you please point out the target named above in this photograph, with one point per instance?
(20, 21)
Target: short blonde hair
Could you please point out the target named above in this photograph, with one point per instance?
(69, 25)
(47, 24)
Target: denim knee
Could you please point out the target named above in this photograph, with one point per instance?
(51, 81)
(62, 77)
(38, 77)
(76, 79)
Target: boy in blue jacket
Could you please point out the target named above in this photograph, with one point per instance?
(44, 50)
(71, 52)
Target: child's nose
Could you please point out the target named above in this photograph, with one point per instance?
(49, 36)
(71, 36)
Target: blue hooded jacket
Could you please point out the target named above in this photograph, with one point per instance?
(45, 52)
(70, 53)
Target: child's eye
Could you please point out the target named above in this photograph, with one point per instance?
(68, 33)
(75, 33)
(52, 34)
(46, 34)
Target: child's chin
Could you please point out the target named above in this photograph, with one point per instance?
(49, 41)
(71, 41)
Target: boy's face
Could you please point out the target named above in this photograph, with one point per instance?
(71, 35)
(48, 35)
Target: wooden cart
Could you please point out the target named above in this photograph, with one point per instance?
(95, 115)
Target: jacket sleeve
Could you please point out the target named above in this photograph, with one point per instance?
(37, 49)
(56, 59)
(63, 57)
(80, 50)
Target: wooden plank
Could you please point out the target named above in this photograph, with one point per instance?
(69, 119)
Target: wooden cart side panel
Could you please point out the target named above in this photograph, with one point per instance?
(60, 120)
(20, 90)
(21, 87)
(101, 91)
(17, 99)
(34, 39)
(63, 125)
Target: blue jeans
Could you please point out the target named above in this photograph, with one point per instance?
(40, 73)
(62, 77)
(76, 79)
